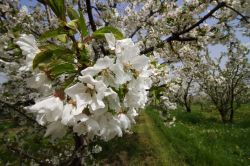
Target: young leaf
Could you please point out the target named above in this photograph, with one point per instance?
(82, 25)
(50, 52)
(52, 33)
(69, 81)
(84, 55)
(62, 38)
(73, 15)
(58, 7)
(72, 24)
(41, 57)
(62, 68)
(109, 29)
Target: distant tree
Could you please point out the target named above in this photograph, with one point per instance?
(184, 94)
(224, 79)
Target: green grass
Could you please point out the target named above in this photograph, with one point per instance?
(146, 146)
(198, 138)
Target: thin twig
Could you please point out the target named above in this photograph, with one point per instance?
(26, 155)
(17, 109)
(90, 15)
(147, 17)
(176, 36)
(48, 15)
(236, 11)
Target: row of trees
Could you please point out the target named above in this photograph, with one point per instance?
(223, 79)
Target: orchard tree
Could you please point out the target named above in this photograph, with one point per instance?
(85, 68)
(187, 89)
(224, 79)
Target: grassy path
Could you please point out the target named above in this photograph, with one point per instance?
(198, 138)
(146, 146)
(161, 147)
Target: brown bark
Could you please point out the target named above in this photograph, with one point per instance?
(231, 115)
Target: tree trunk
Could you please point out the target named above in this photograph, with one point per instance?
(187, 100)
(231, 115)
(187, 103)
(223, 116)
(201, 106)
(188, 109)
(80, 145)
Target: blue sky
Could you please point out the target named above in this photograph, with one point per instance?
(28, 2)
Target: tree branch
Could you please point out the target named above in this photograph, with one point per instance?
(26, 155)
(16, 108)
(217, 7)
(147, 17)
(48, 14)
(176, 36)
(236, 11)
(168, 40)
(90, 15)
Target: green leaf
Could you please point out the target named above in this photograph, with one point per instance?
(84, 55)
(82, 25)
(62, 68)
(62, 38)
(69, 81)
(52, 33)
(58, 7)
(73, 15)
(51, 52)
(41, 58)
(100, 33)
(72, 24)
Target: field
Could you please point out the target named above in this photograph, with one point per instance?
(198, 138)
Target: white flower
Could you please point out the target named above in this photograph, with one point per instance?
(67, 115)
(174, 87)
(56, 130)
(103, 67)
(39, 81)
(140, 84)
(112, 99)
(168, 104)
(137, 94)
(124, 121)
(88, 92)
(95, 107)
(110, 127)
(132, 113)
(90, 126)
(101, 64)
(129, 56)
(24, 10)
(70, 116)
(29, 48)
(135, 99)
(96, 149)
(111, 40)
(121, 76)
(49, 110)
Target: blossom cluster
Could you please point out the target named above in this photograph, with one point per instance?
(105, 98)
